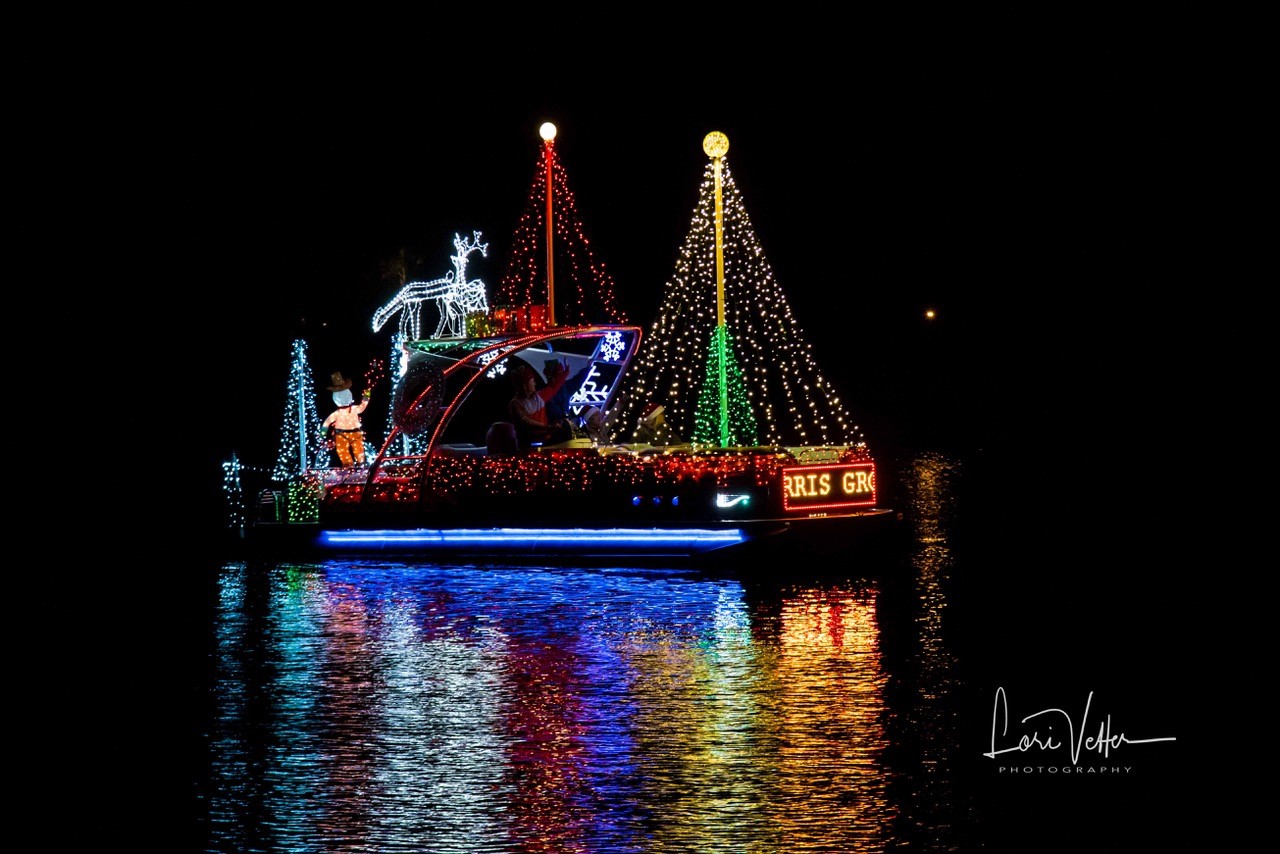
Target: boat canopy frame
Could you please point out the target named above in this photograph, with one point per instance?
(478, 359)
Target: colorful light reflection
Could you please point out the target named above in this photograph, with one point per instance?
(375, 705)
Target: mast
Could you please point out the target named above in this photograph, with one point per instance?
(716, 145)
(548, 134)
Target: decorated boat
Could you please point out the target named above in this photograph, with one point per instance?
(758, 452)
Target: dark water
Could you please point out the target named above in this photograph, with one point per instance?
(382, 707)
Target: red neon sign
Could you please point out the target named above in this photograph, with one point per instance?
(828, 487)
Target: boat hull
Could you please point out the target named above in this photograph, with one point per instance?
(758, 539)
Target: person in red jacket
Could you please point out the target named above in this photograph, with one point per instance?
(348, 437)
(528, 408)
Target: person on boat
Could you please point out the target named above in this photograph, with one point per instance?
(558, 405)
(528, 408)
(593, 424)
(348, 438)
(653, 428)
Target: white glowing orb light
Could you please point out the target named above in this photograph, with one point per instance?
(547, 131)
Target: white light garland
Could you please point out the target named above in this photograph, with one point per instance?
(234, 492)
(792, 401)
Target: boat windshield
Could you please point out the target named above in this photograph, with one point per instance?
(480, 386)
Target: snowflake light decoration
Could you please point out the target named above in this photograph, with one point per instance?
(498, 369)
(612, 347)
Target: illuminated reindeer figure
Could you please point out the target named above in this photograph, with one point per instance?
(454, 296)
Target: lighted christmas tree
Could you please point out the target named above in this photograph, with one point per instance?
(781, 388)
(723, 417)
(408, 444)
(583, 289)
(300, 440)
(234, 493)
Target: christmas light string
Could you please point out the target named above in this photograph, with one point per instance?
(586, 475)
(791, 401)
(523, 282)
(374, 373)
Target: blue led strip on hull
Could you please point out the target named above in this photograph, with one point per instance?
(628, 540)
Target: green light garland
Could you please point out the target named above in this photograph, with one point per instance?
(739, 426)
(304, 501)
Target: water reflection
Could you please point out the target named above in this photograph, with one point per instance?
(831, 708)
(374, 706)
(928, 716)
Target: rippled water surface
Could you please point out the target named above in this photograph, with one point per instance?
(380, 707)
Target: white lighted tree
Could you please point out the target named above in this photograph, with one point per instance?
(300, 439)
(775, 392)
(409, 445)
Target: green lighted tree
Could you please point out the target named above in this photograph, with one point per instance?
(733, 424)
